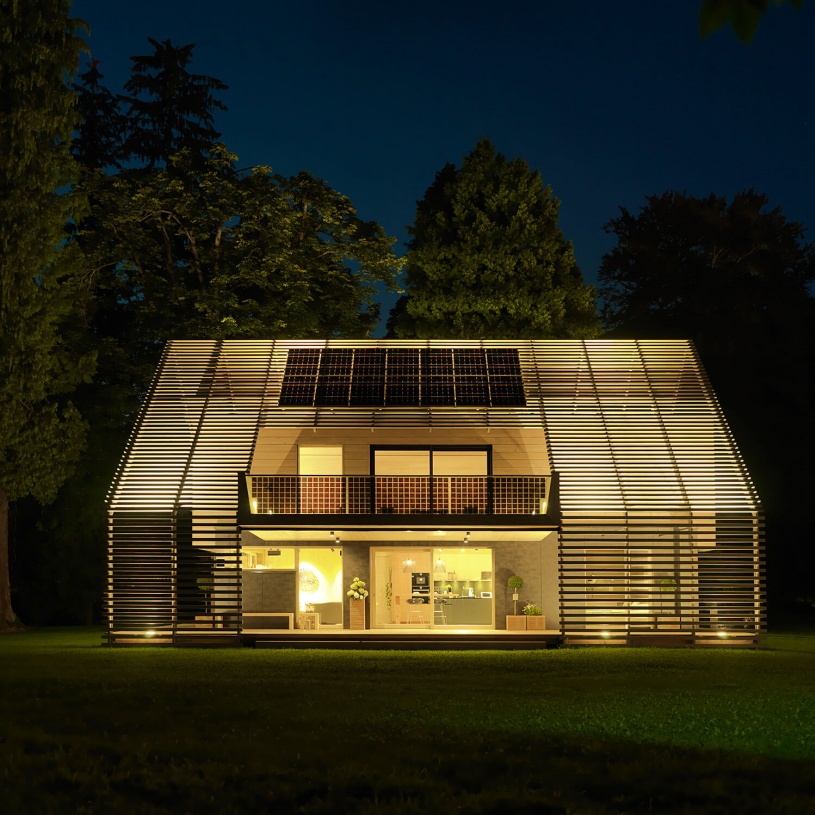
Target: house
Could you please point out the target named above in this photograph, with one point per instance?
(262, 477)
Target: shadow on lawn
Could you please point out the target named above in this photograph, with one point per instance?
(485, 775)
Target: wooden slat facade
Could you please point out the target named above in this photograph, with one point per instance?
(661, 531)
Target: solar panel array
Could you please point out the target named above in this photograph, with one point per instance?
(380, 377)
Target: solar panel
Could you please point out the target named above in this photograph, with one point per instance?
(506, 384)
(403, 377)
(300, 377)
(334, 378)
(437, 377)
(471, 377)
(368, 380)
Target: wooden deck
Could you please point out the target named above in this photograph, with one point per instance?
(399, 639)
(413, 638)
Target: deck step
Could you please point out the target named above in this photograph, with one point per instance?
(407, 642)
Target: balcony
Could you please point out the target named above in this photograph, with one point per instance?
(398, 495)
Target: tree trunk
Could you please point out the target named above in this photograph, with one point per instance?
(8, 619)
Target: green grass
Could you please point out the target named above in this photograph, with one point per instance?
(86, 729)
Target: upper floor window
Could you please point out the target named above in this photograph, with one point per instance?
(430, 461)
(319, 459)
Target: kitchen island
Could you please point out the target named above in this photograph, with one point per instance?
(467, 610)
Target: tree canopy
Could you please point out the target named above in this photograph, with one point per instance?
(168, 108)
(486, 258)
(737, 279)
(41, 433)
(176, 242)
(700, 267)
(743, 16)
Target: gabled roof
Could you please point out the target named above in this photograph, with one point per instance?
(632, 426)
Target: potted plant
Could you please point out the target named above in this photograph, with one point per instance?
(206, 585)
(534, 617)
(515, 621)
(667, 604)
(356, 604)
(514, 583)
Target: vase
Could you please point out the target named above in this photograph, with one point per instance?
(356, 615)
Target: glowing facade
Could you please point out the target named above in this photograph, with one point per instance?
(603, 472)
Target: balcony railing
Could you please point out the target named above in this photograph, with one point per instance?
(401, 495)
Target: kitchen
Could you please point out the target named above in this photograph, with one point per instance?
(433, 587)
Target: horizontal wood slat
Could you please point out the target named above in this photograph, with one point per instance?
(661, 529)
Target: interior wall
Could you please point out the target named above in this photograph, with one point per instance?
(537, 563)
(356, 563)
(515, 451)
(326, 566)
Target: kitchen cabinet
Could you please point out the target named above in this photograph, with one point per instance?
(464, 611)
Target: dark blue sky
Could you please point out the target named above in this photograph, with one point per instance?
(610, 101)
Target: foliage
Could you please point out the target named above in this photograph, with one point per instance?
(515, 582)
(742, 15)
(532, 610)
(168, 108)
(736, 278)
(201, 251)
(205, 584)
(100, 134)
(682, 257)
(357, 590)
(486, 258)
(183, 245)
(41, 432)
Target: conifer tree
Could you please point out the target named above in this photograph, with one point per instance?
(486, 258)
(169, 109)
(41, 433)
(98, 141)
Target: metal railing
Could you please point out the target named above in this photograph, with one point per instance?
(400, 495)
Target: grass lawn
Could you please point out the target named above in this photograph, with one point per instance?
(86, 729)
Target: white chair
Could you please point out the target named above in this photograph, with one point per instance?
(415, 614)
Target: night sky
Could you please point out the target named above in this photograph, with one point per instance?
(610, 101)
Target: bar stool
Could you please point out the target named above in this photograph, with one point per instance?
(439, 617)
(415, 611)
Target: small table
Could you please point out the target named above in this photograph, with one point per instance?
(310, 620)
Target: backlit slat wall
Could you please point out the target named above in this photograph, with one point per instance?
(661, 528)
(174, 552)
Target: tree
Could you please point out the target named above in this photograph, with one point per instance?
(742, 15)
(185, 247)
(736, 278)
(98, 140)
(169, 109)
(41, 433)
(199, 250)
(486, 258)
(681, 259)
